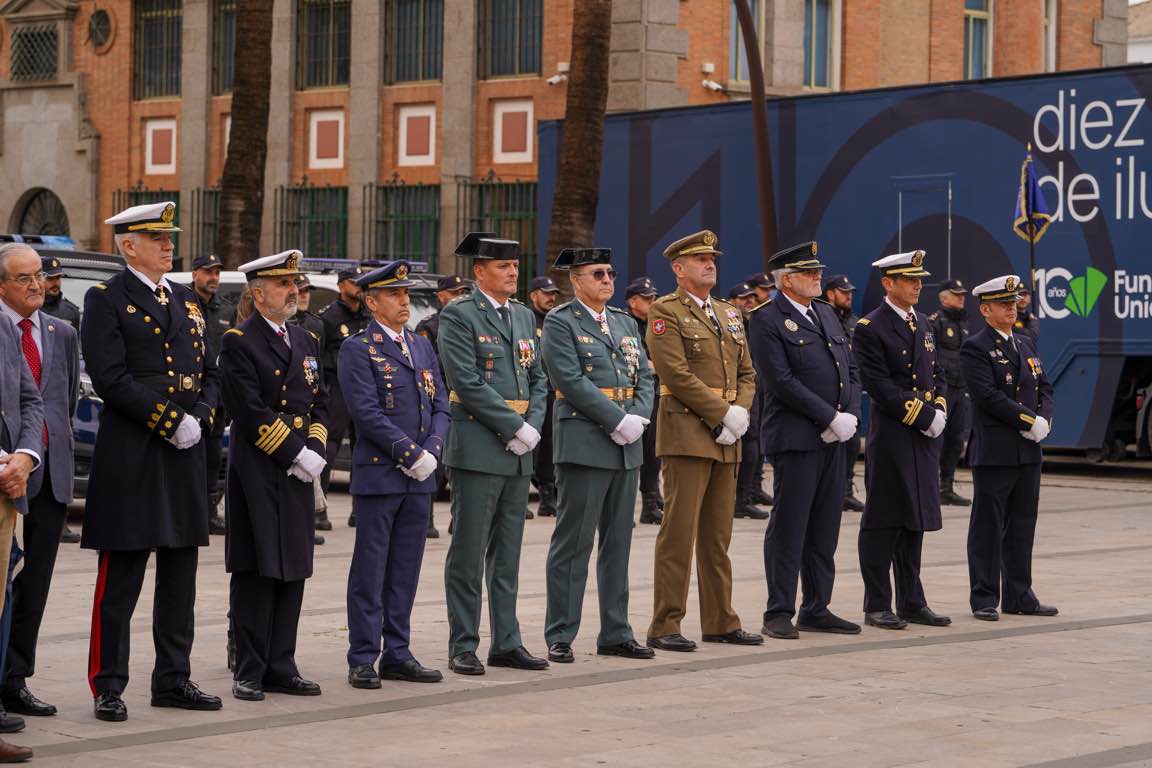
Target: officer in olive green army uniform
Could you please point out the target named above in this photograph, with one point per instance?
(604, 392)
(707, 382)
(497, 394)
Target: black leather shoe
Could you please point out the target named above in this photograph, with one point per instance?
(651, 517)
(779, 628)
(186, 696)
(110, 708)
(10, 723)
(69, 536)
(410, 671)
(677, 643)
(986, 614)
(853, 504)
(317, 539)
(561, 653)
(352, 520)
(750, 512)
(884, 620)
(629, 649)
(925, 616)
(248, 690)
(829, 622)
(294, 686)
(466, 664)
(735, 637)
(517, 659)
(1039, 610)
(22, 702)
(953, 499)
(363, 676)
(216, 525)
(432, 534)
(528, 514)
(322, 521)
(763, 499)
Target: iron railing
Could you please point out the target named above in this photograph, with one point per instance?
(200, 223)
(35, 51)
(312, 219)
(401, 221)
(140, 195)
(506, 208)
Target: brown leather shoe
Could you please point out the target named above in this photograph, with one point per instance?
(12, 753)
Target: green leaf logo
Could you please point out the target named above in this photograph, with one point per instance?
(1084, 291)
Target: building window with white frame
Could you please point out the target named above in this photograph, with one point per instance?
(819, 43)
(738, 63)
(977, 39)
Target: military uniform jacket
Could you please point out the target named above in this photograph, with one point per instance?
(1009, 390)
(702, 373)
(340, 322)
(218, 317)
(63, 309)
(399, 407)
(900, 373)
(148, 363)
(808, 374)
(278, 404)
(950, 329)
(598, 380)
(497, 382)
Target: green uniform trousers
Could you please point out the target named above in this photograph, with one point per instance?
(488, 527)
(591, 501)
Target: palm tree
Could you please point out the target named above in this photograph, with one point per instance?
(242, 185)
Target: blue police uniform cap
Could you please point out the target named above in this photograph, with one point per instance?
(206, 262)
(840, 283)
(50, 266)
(391, 275)
(740, 289)
(543, 283)
(453, 283)
(641, 286)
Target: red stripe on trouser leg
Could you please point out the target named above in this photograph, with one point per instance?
(94, 640)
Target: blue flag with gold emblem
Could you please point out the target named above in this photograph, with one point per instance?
(1032, 217)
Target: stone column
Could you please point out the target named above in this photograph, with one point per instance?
(457, 121)
(646, 46)
(195, 90)
(363, 119)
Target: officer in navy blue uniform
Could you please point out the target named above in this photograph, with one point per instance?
(811, 391)
(273, 388)
(743, 296)
(1012, 404)
(399, 407)
(896, 352)
(950, 328)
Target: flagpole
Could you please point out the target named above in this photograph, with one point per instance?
(1031, 242)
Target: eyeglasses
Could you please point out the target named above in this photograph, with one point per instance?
(599, 274)
(27, 280)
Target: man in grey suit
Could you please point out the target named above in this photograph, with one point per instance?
(53, 360)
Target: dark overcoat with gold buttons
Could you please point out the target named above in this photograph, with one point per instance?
(278, 403)
(900, 373)
(148, 364)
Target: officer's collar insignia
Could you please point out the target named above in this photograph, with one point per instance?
(378, 337)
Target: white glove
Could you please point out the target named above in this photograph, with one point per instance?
(844, 426)
(727, 437)
(829, 436)
(298, 472)
(936, 428)
(311, 462)
(630, 429)
(518, 446)
(187, 434)
(528, 435)
(737, 420)
(1039, 430)
(422, 468)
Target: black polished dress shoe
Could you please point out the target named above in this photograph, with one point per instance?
(925, 616)
(1039, 610)
(216, 525)
(466, 664)
(763, 499)
(629, 649)
(352, 519)
(751, 512)
(953, 499)
(110, 708)
(69, 536)
(322, 521)
(248, 690)
(293, 686)
(651, 517)
(10, 723)
(986, 614)
(884, 620)
(22, 702)
(829, 622)
(432, 534)
(410, 671)
(363, 676)
(518, 658)
(677, 643)
(186, 696)
(735, 637)
(779, 628)
(853, 504)
(561, 653)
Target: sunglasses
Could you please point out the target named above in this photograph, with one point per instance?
(599, 274)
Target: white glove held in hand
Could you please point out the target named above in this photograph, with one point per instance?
(737, 420)
(726, 437)
(422, 468)
(630, 429)
(829, 436)
(844, 426)
(936, 428)
(528, 435)
(311, 462)
(187, 434)
(298, 472)
(1039, 431)
(518, 446)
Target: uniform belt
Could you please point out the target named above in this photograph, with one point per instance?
(296, 421)
(519, 406)
(173, 382)
(727, 394)
(612, 393)
(927, 395)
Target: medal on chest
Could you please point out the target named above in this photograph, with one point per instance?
(428, 382)
(194, 315)
(527, 352)
(311, 370)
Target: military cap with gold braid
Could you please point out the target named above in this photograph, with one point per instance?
(1004, 288)
(280, 265)
(703, 241)
(910, 264)
(153, 217)
(392, 275)
(798, 257)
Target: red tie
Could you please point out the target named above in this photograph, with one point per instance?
(32, 355)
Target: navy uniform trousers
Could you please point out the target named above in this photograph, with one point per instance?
(1000, 536)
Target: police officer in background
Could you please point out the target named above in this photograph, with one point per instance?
(55, 303)
(344, 317)
(1012, 401)
(640, 294)
(838, 290)
(765, 288)
(763, 284)
(218, 315)
(743, 297)
(315, 326)
(811, 391)
(896, 353)
(542, 293)
(950, 327)
(1026, 322)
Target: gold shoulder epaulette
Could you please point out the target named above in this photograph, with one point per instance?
(667, 297)
(236, 331)
(863, 321)
(314, 335)
(101, 286)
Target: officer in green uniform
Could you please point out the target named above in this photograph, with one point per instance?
(604, 395)
(497, 394)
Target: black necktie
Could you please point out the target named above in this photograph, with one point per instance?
(812, 319)
(711, 315)
(504, 316)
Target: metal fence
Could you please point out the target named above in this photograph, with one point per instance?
(139, 195)
(506, 208)
(35, 51)
(313, 219)
(402, 221)
(200, 223)
(157, 28)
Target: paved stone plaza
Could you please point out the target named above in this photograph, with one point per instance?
(1074, 690)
